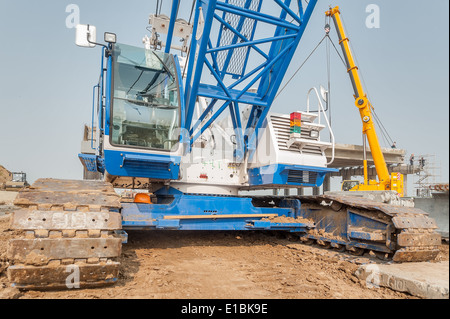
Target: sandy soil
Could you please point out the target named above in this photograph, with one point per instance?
(220, 265)
(7, 198)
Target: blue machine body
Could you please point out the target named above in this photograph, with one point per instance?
(227, 57)
(148, 120)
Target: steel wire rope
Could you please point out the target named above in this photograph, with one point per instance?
(189, 50)
(292, 77)
(384, 133)
(328, 56)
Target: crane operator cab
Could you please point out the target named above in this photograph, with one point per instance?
(145, 106)
(139, 112)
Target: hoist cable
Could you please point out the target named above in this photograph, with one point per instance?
(328, 56)
(192, 11)
(383, 130)
(337, 51)
(299, 68)
(189, 49)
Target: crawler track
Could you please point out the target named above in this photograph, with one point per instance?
(65, 235)
(67, 231)
(405, 234)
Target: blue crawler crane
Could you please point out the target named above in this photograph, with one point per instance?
(190, 125)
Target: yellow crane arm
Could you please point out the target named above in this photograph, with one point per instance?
(362, 102)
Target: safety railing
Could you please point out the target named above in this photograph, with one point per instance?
(321, 111)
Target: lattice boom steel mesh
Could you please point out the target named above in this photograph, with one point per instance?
(244, 26)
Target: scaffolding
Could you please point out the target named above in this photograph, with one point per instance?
(429, 172)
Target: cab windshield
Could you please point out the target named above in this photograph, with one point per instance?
(145, 102)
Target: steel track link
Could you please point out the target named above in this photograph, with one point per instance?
(66, 235)
(410, 234)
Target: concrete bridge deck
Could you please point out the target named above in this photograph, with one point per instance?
(348, 155)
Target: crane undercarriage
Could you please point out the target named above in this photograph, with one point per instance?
(70, 233)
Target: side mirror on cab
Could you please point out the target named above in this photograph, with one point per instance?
(86, 36)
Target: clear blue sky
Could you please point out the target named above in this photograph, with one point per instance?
(46, 81)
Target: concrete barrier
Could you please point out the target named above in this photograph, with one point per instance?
(426, 280)
(438, 208)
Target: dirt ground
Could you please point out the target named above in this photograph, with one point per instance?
(216, 265)
(219, 265)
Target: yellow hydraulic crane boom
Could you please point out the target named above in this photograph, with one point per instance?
(386, 181)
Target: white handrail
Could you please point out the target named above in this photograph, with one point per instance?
(322, 110)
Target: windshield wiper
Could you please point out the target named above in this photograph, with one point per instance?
(139, 77)
(150, 85)
(166, 68)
